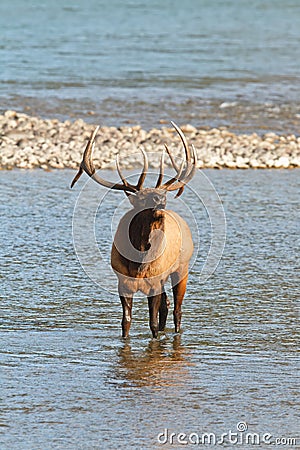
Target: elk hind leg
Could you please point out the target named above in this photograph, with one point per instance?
(179, 288)
(163, 311)
(154, 306)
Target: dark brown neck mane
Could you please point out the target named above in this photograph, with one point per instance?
(141, 226)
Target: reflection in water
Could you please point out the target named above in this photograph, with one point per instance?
(159, 364)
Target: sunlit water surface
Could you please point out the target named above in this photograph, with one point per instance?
(69, 380)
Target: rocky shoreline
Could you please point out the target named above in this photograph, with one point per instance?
(30, 142)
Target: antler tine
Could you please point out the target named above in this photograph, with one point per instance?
(180, 191)
(183, 174)
(88, 166)
(144, 172)
(77, 176)
(124, 181)
(178, 169)
(188, 175)
(87, 163)
(86, 150)
(188, 172)
(161, 172)
(142, 176)
(175, 178)
(195, 156)
(172, 159)
(184, 141)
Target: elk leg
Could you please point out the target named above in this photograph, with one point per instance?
(179, 288)
(154, 306)
(163, 311)
(127, 314)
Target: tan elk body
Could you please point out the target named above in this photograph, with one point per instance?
(151, 243)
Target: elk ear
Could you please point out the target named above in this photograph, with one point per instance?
(180, 191)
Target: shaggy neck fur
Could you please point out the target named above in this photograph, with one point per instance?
(141, 226)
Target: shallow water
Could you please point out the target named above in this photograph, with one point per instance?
(69, 380)
(208, 63)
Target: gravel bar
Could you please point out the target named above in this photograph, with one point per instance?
(30, 142)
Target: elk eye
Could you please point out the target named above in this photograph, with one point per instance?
(156, 198)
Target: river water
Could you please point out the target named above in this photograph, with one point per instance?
(205, 62)
(69, 381)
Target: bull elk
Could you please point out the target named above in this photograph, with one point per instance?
(151, 243)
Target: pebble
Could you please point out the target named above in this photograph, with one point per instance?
(30, 142)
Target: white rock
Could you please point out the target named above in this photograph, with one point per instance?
(282, 162)
(254, 163)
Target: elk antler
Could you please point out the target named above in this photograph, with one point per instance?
(161, 171)
(178, 182)
(182, 177)
(88, 167)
